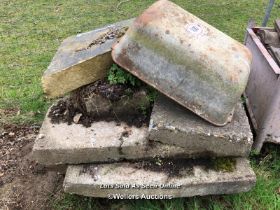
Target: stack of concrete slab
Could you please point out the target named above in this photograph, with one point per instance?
(178, 155)
(174, 134)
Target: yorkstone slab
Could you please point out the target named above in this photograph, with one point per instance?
(82, 59)
(172, 124)
(126, 180)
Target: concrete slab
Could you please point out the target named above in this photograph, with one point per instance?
(82, 59)
(102, 142)
(174, 132)
(172, 124)
(128, 181)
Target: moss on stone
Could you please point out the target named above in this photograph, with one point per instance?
(225, 164)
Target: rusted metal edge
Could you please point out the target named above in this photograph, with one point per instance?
(265, 28)
(263, 50)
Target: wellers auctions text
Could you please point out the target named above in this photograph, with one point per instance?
(136, 196)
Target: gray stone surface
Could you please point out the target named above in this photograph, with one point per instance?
(102, 179)
(174, 132)
(102, 142)
(79, 62)
(172, 124)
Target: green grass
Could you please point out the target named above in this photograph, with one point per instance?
(30, 33)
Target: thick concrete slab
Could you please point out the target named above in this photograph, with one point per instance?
(102, 142)
(172, 124)
(82, 59)
(104, 180)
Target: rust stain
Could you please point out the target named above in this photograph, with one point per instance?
(233, 77)
(151, 13)
(246, 51)
(124, 60)
(248, 54)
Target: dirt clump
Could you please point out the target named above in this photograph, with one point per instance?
(101, 101)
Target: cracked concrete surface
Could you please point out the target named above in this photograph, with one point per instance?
(125, 179)
(174, 132)
(102, 142)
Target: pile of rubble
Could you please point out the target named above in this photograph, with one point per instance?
(192, 139)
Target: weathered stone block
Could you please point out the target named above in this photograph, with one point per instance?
(174, 132)
(172, 124)
(82, 59)
(102, 142)
(128, 179)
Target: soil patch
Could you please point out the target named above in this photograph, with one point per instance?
(66, 109)
(24, 184)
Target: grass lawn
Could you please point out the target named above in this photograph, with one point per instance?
(30, 33)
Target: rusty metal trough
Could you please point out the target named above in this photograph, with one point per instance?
(263, 92)
(188, 60)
